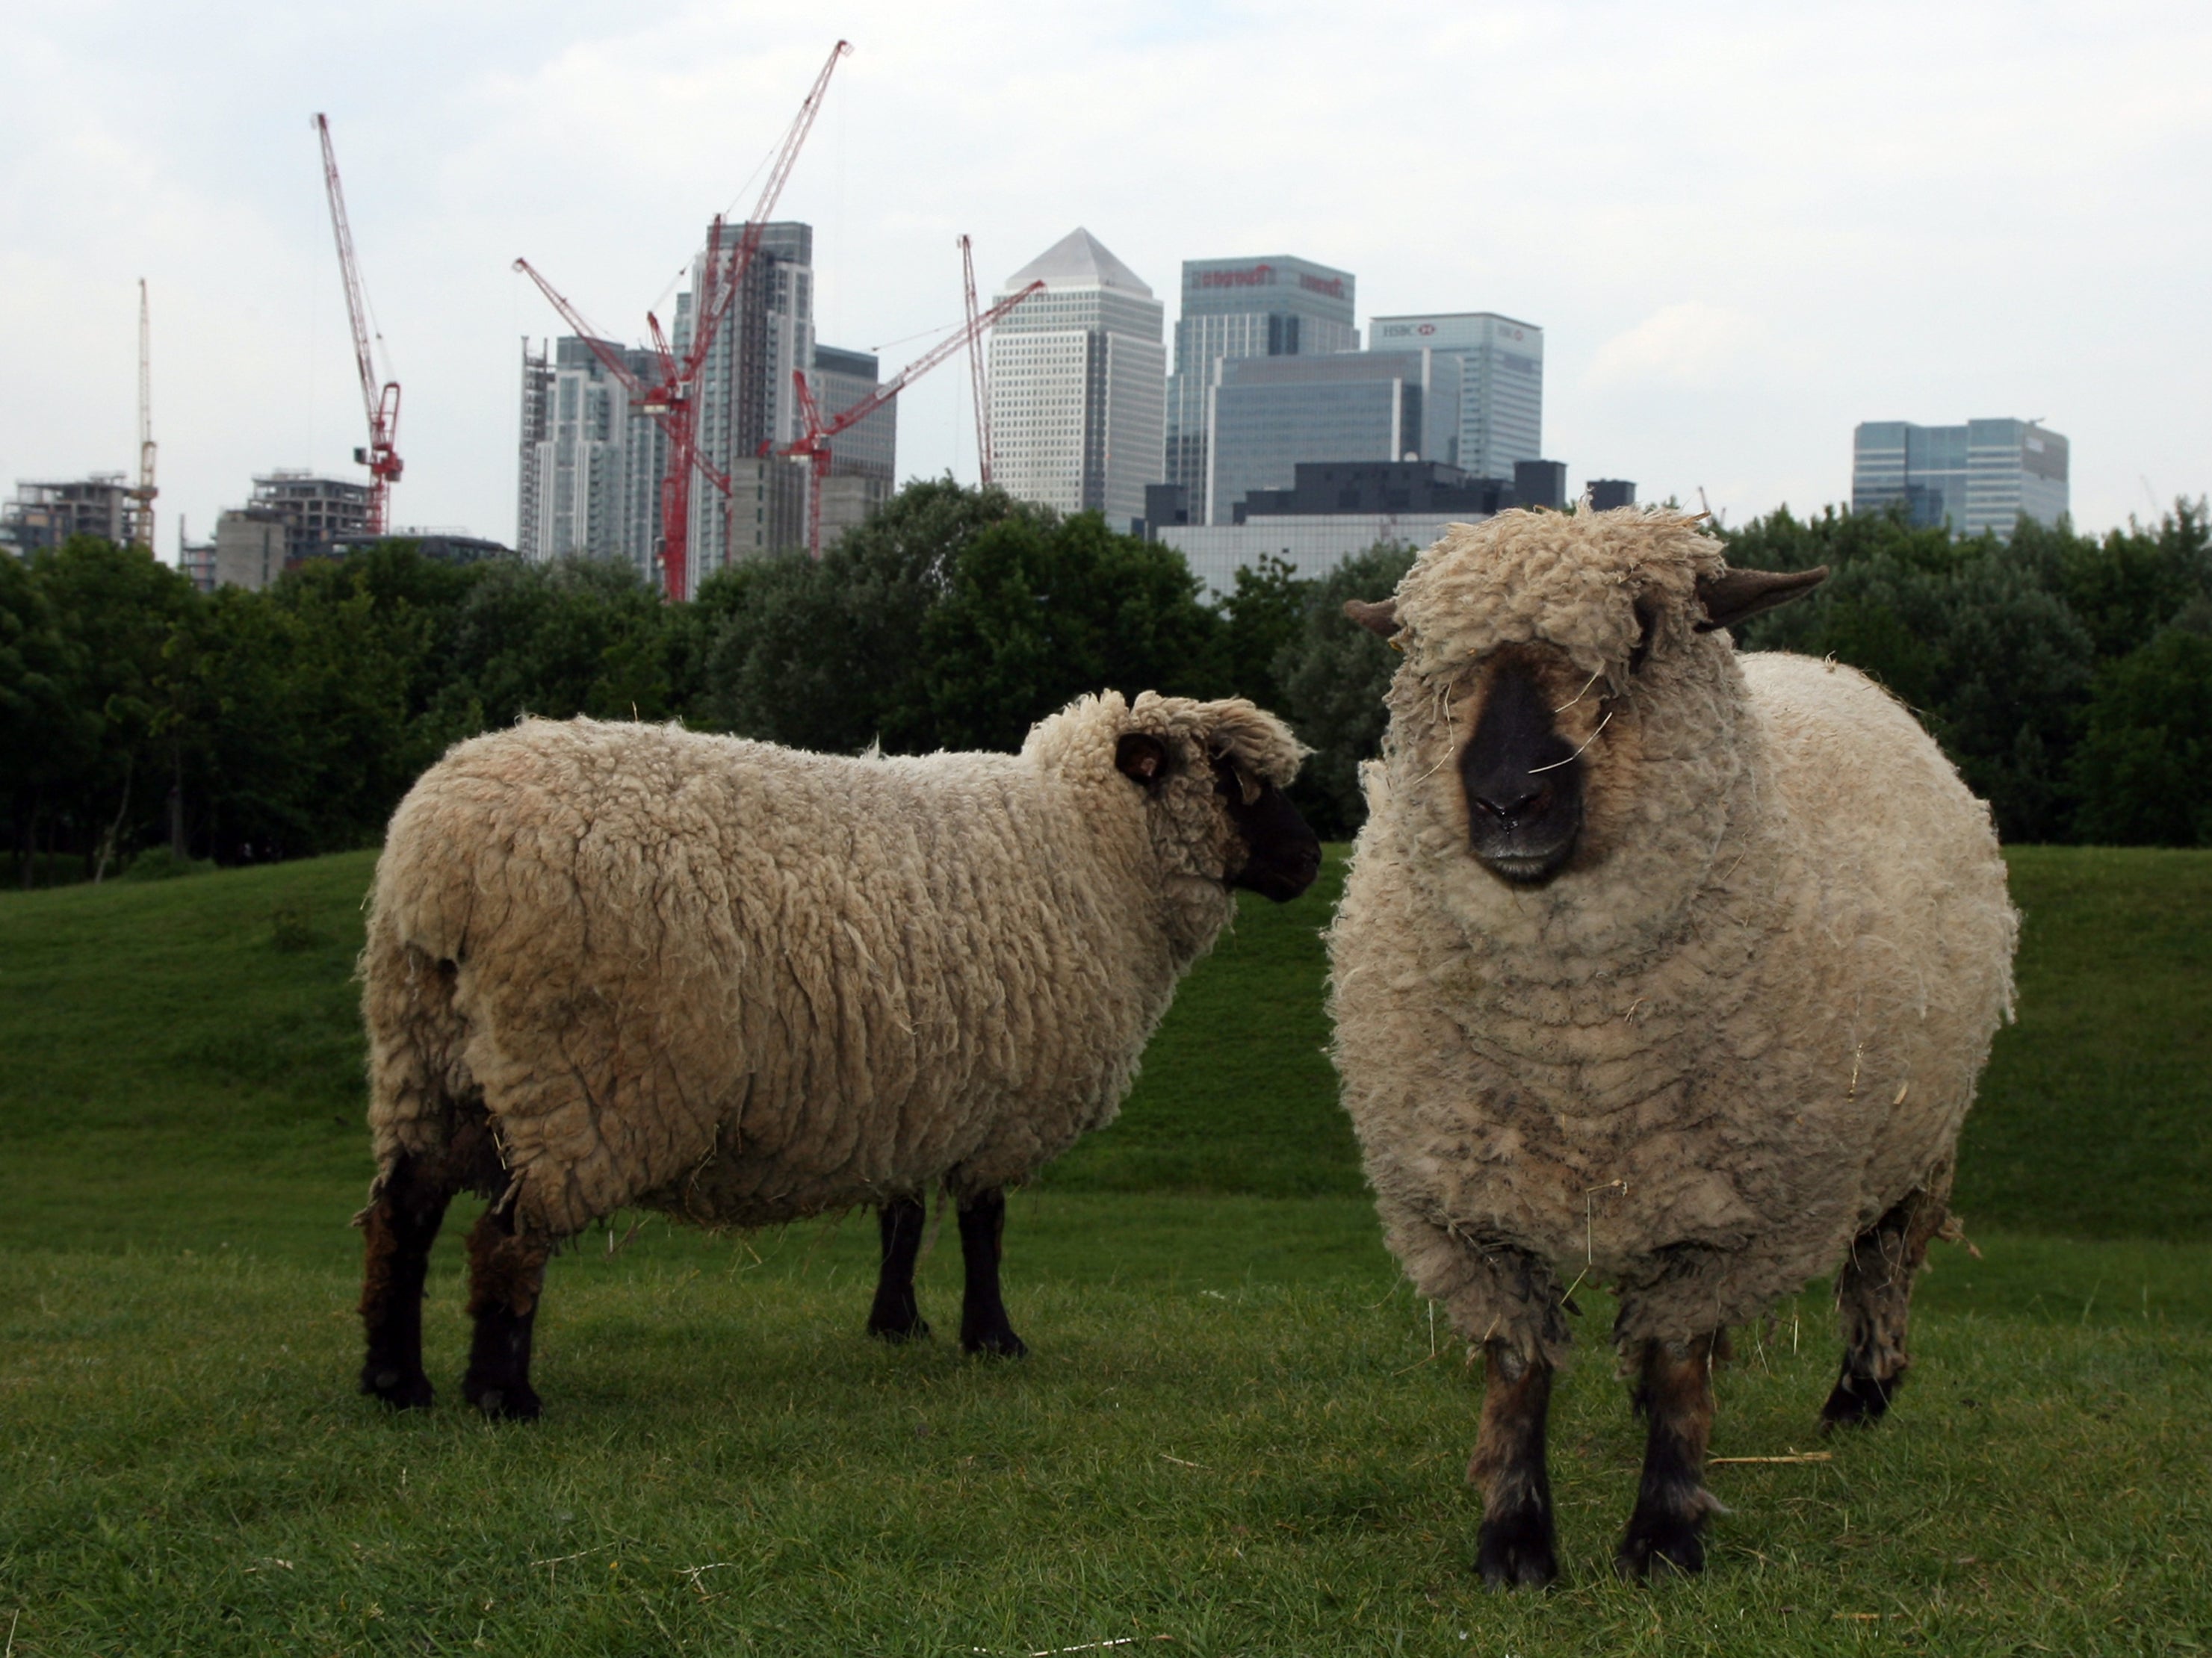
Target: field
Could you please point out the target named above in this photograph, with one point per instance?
(1236, 1433)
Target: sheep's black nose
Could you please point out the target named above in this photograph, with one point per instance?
(1510, 805)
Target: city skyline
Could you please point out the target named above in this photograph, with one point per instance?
(1742, 231)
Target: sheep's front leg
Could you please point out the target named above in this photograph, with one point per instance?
(1873, 1302)
(1674, 1391)
(399, 1225)
(896, 1315)
(983, 1324)
(506, 1274)
(1516, 1544)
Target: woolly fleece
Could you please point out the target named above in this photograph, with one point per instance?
(745, 984)
(1743, 1023)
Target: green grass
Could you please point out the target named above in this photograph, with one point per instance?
(1234, 1429)
(1266, 1464)
(2096, 1115)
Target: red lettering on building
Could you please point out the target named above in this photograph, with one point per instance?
(1258, 276)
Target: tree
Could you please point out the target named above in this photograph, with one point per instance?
(583, 636)
(46, 735)
(1034, 615)
(115, 609)
(2125, 591)
(1334, 675)
(828, 655)
(1971, 635)
(1262, 614)
(2143, 772)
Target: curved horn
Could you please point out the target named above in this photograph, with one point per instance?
(1381, 620)
(1733, 596)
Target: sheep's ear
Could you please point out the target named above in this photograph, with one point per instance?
(1142, 756)
(1734, 596)
(1381, 620)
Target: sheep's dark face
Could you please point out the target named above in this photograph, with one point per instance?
(1282, 855)
(1520, 772)
(1539, 649)
(1224, 789)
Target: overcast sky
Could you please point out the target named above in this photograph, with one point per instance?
(1743, 227)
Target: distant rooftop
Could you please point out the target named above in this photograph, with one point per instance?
(1078, 260)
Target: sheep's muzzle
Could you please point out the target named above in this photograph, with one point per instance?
(1522, 779)
(1282, 855)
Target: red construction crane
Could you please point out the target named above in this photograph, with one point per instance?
(671, 401)
(381, 457)
(975, 379)
(814, 447)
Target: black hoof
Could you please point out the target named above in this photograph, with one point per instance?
(514, 1402)
(918, 1330)
(1001, 1341)
(1662, 1547)
(1858, 1401)
(1514, 1550)
(395, 1387)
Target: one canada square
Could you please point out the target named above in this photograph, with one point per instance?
(1077, 378)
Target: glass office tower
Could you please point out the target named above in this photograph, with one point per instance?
(1983, 474)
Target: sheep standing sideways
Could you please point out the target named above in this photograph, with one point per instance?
(1659, 969)
(614, 964)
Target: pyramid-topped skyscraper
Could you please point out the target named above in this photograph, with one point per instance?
(1079, 385)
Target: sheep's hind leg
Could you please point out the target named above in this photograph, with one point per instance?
(506, 1275)
(1515, 1546)
(1674, 1391)
(400, 1225)
(984, 1327)
(897, 1316)
(1874, 1302)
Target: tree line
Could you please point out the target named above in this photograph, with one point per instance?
(147, 727)
(2070, 678)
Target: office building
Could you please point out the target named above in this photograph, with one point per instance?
(1279, 306)
(1418, 488)
(1078, 381)
(1501, 411)
(1540, 483)
(589, 481)
(863, 458)
(48, 515)
(592, 462)
(746, 401)
(1983, 476)
(314, 513)
(1266, 414)
(1606, 494)
(195, 559)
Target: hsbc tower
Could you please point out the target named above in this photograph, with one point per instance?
(1501, 411)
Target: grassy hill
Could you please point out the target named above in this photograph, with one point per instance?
(184, 1060)
(1237, 1432)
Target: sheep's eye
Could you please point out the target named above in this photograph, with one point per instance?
(1647, 617)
